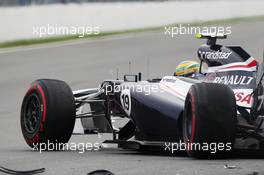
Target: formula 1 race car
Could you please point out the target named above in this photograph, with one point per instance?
(224, 108)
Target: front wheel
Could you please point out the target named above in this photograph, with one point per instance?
(47, 113)
(209, 120)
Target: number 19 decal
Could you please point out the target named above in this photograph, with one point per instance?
(126, 100)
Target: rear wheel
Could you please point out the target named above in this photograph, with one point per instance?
(48, 113)
(209, 120)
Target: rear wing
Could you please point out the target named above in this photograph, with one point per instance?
(211, 39)
(258, 105)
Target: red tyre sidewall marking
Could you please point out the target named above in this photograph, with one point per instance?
(44, 103)
(31, 88)
(39, 89)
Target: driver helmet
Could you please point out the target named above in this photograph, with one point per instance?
(187, 68)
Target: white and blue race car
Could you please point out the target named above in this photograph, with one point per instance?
(223, 107)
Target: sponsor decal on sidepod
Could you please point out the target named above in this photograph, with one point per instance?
(234, 80)
(214, 55)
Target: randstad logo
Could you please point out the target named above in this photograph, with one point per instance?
(214, 55)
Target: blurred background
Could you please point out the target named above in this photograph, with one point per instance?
(32, 2)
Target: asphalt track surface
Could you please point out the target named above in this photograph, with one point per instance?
(84, 64)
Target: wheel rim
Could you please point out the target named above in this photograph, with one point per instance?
(32, 113)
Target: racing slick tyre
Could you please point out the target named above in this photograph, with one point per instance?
(48, 114)
(209, 120)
